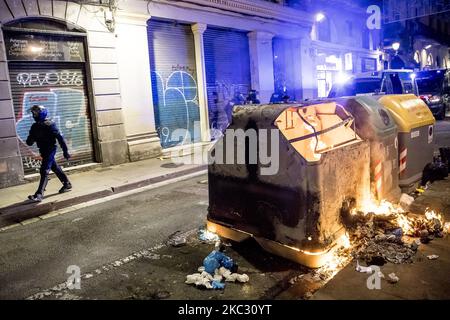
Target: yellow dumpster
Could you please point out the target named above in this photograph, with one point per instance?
(415, 124)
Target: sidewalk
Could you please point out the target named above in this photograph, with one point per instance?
(89, 185)
(422, 279)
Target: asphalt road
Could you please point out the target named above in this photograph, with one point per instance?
(442, 133)
(36, 256)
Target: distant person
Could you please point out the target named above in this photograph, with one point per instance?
(45, 133)
(237, 100)
(280, 95)
(252, 97)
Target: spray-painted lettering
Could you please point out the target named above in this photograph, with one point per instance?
(60, 78)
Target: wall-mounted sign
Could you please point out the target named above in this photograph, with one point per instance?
(39, 47)
(368, 64)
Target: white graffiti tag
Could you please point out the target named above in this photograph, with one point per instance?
(30, 162)
(62, 78)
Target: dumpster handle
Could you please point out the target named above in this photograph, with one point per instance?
(350, 116)
(317, 133)
(314, 134)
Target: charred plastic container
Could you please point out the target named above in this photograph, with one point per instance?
(415, 124)
(375, 124)
(309, 161)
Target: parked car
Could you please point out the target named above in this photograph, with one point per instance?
(434, 90)
(378, 82)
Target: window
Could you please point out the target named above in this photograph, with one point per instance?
(365, 39)
(417, 57)
(429, 60)
(349, 28)
(323, 30)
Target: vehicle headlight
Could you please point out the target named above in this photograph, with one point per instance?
(435, 99)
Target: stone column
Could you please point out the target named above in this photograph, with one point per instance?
(261, 64)
(198, 29)
(305, 69)
(11, 169)
(136, 88)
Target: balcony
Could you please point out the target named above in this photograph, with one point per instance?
(269, 9)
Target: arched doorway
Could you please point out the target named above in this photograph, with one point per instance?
(47, 61)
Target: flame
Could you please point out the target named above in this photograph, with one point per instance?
(335, 263)
(383, 207)
(408, 224)
(431, 214)
(346, 241)
(405, 223)
(447, 227)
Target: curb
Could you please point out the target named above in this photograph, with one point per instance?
(22, 214)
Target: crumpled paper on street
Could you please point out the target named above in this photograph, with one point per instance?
(206, 280)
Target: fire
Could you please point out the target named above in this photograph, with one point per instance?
(407, 223)
(336, 262)
(346, 241)
(447, 227)
(431, 214)
(384, 207)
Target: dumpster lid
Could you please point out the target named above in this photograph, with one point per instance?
(369, 112)
(316, 129)
(408, 111)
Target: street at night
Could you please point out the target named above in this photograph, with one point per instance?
(123, 249)
(225, 158)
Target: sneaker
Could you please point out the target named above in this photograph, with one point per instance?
(66, 187)
(36, 197)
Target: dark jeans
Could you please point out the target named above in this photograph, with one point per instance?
(49, 163)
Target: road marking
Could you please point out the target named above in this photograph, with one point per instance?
(62, 287)
(29, 221)
(10, 227)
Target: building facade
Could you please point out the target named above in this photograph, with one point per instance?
(127, 80)
(340, 44)
(423, 30)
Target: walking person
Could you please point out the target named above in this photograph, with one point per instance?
(45, 133)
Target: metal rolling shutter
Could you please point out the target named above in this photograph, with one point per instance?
(61, 88)
(227, 60)
(174, 82)
(283, 65)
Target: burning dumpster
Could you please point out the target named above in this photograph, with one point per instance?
(374, 124)
(289, 201)
(415, 124)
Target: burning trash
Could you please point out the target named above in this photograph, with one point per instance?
(383, 232)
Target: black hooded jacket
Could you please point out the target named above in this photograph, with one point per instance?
(45, 134)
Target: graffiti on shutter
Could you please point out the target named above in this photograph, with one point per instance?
(227, 62)
(174, 84)
(62, 91)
